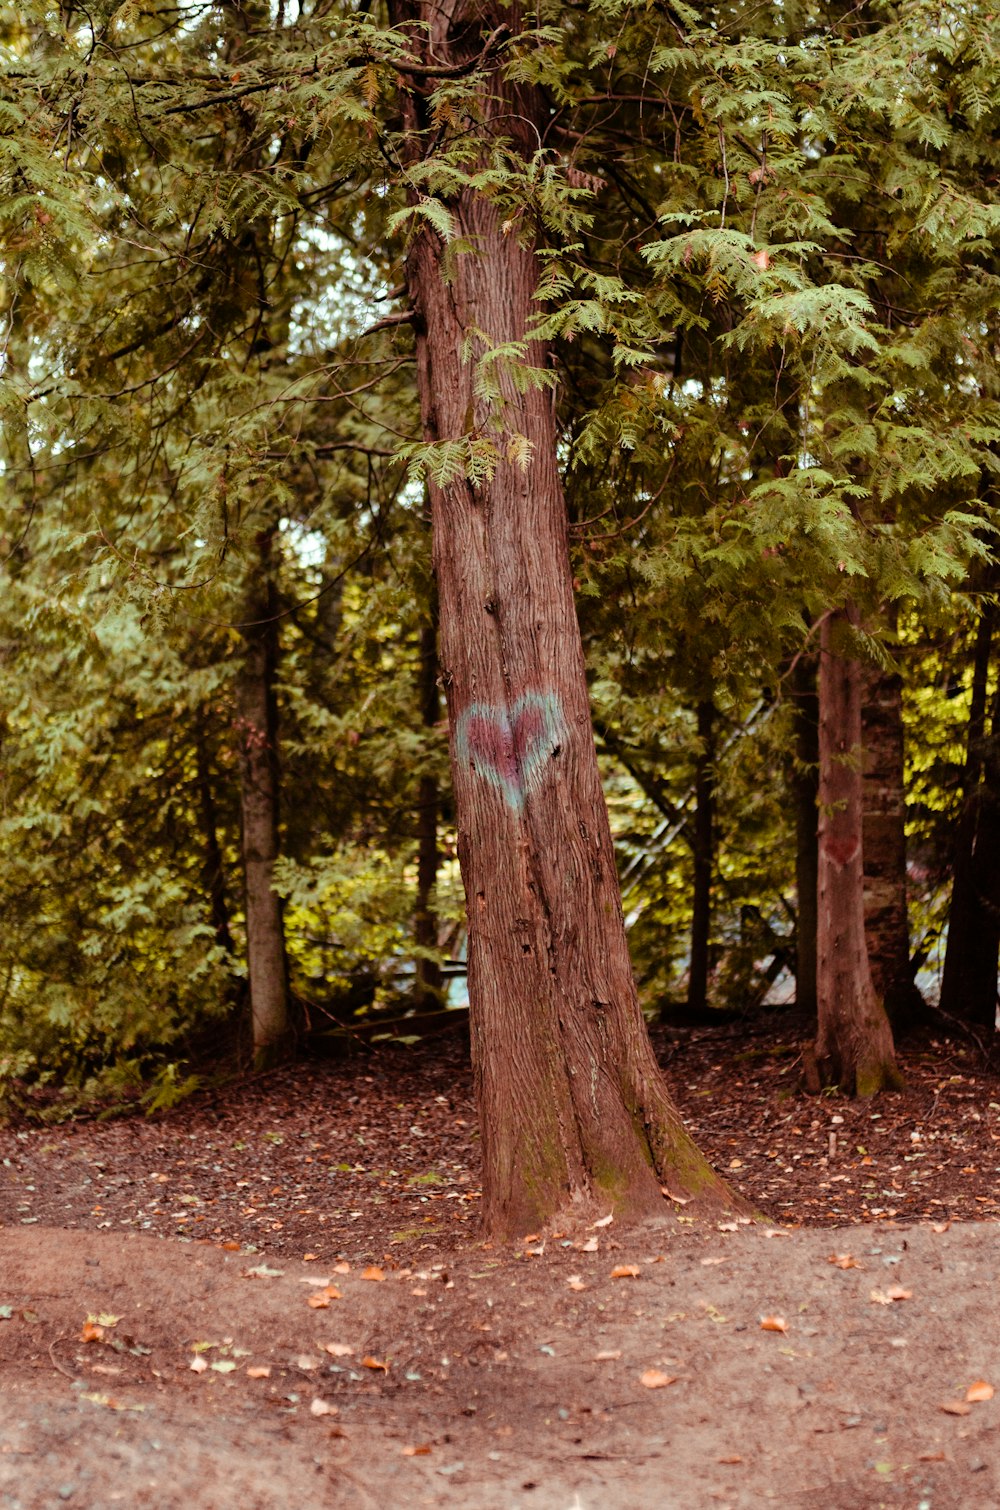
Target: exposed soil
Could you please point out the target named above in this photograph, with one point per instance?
(484, 1377)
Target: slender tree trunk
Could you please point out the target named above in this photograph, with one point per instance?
(805, 788)
(257, 728)
(854, 1046)
(212, 869)
(887, 927)
(573, 1107)
(425, 925)
(969, 982)
(704, 856)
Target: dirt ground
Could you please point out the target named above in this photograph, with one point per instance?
(276, 1295)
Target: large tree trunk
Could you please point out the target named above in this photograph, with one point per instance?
(854, 1047)
(969, 982)
(574, 1111)
(257, 733)
(887, 928)
(704, 855)
(425, 923)
(805, 789)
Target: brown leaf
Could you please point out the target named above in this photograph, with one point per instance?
(420, 1451)
(844, 1261)
(625, 1271)
(932, 1457)
(369, 1362)
(773, 1324)
(91, 1333)
(733, 1457)
(336, 1349)
(940, 1226)
(980, 1390)
(230, 1247)
(957, 1408)
(654, 1378)
(258, 1373)
(342, 1268)
(320, 1299)
(896, 1292)
(373, 1272)
(678, 1200)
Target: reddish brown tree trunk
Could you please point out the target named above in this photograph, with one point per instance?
(887, 927)
(574, 1111)
(854, 1046)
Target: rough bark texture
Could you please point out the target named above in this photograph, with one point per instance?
(805, 786)
(703, 848)
(854, 1047)
(573, 1108)
(425, 923)
(887, 927)
(257, 736)
(969, 982)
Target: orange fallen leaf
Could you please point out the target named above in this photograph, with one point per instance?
(320, 1299)
(369, 1362)
(956, 1408)
(773, 1324)
(258, 1373)
(373, 1272)
(625, 1271)
(342, 1268)
(230, 1247)
(733, 1457)
(309, 1258)
(418, 1292)
(844, 1261)
(932, 1457)
(980, 1390)
(655, 1378)
(323, 1408)
(896, 1292)
(91, 1332)
(417, 1452)
(940, 1226)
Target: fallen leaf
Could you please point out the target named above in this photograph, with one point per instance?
(418, 1292)
(590, 1246)
(230, 1247)
(373, 1272)
(258, 1373)
(678, 1200)
(223, 1365)
(940, 1226)
(420, 1451)
(111, 1402)
(261, 1271)
(733, 1457)
(309, 1258)
(575, 1282)
(707, 1261)
(605, 1221)
(320, 1299)
(342, 1268)
(725, 1226)
(369, 1362)
(91, 1332)
(956, 1408)
(980, 1390)
(198, 1365)
(654, 1378)
(307, 1361)
(932, 1457)
(625, 1271)
(844, 1261)
(336, 1349)
(104, 1318)
(323, 1408)
(607, 1355)
(896, 1292)
(773, 1324)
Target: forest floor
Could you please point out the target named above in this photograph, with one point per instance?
(275, 1295)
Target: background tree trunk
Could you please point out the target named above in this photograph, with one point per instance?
(573, 1108)
(257, 730)
(887, 926)
(425, 923)
(854, 1046)
(212, 869)
(704, 857)
(969, 981)
(805, 786)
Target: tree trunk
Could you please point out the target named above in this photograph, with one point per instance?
(574, 1112)
(969, 981)
(887, 928)
(258, 749)
(805, 788)
(704, 825)
(212, 870)
(854, 1047)
(425, 923)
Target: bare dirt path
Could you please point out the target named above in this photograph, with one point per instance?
(461, 1374)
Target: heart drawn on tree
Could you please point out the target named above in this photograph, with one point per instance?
(509, 748)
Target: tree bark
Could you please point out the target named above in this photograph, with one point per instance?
(257, 732)
(703, 848)
(574, 1112)
(425, 923)
(805, 787)
(854, 1047)
(969, 981)
(212, 868)
(887, 928)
